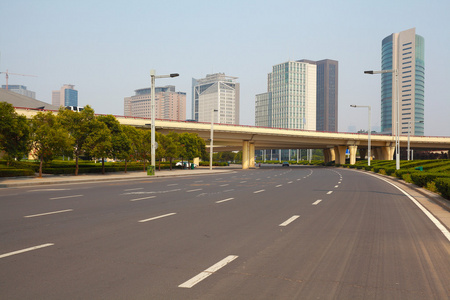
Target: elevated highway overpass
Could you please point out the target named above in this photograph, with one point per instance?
(251, 138)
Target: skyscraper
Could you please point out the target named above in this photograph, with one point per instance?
(327, 95)
(66, 96)
(216, 91)
(169, 104)
(290, 100)
(403, 51)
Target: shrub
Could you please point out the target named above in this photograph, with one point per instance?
(443, 187)
(16, 172)
(423, 178)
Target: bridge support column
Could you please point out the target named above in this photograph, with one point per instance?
(353, 154)
(245, 155)
(387, 153)
(340, 154)
(251, 155)
(362, 153)
(376, 152)
(326, 155)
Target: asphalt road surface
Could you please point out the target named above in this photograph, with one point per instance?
(268, 233)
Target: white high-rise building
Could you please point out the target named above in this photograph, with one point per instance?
(404, 51)
(290, 100)
(216, 91)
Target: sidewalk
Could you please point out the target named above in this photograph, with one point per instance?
(7, 182)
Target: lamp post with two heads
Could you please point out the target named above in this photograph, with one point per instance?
(397, 129)
(153, 76)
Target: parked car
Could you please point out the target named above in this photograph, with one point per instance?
(285, 164)
(185, 164)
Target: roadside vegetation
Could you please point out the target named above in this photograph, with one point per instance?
(69, 142)
(433, 175)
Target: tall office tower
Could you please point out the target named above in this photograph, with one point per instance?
(327, 95)
(403, 51)
(66, 96)
(216, 91)
(290, 100)
(20, 89)
(169, 104)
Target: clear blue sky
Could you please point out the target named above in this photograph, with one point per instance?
(107, 48)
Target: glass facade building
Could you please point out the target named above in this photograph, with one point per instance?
(290, 100)
(327, 95)
(405, 52)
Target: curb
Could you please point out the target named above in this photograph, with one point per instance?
(431, 196)
(92, 178)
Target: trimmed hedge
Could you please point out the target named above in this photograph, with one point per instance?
(443, 187)
(15, 172)
(422, 178)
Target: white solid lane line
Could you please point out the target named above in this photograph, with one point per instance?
(329, 192)
(211, 270)
(65, 197)
(25, 250)
(48, 213)
(256, 192)
(143, 198)
(193, 190)
(288, 221)
(433, 219)
(135, 189)
(317, 202)
(158, 217)
(224, 200)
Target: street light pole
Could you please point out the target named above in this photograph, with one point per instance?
(211, 139)
(369, 154)
(152, 100)
(397, 130)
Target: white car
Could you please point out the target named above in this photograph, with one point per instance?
(187, 164)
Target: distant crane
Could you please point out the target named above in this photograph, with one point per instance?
(7, 73)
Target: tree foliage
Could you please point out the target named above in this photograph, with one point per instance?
(14, 133)
(48, 137)
(79, 126)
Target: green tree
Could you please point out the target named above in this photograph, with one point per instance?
(79, 126)
(121, 144)
(192, 145)
(144, 146)
(131, 134)
(172, 147)
(160, 152)
(14, 133)
(99, 142)
(48, 137)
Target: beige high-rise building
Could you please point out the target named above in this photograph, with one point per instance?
(66, 96)
(169, 104)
